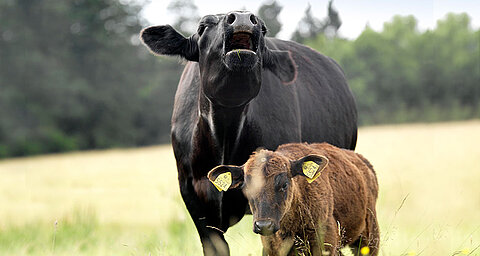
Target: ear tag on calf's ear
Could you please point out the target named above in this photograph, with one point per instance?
(311, 170)
(223, 181)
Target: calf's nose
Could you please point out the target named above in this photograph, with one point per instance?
(241, 21)
(263, 227)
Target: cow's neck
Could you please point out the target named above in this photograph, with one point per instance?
(298, 215)
(224, 127)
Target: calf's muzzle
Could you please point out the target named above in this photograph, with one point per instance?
(264, 227)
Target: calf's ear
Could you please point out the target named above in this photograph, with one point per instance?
(165, 40)
(310, 166)
(281, 64)
(225, 177)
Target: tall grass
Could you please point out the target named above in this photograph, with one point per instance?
(127, 202)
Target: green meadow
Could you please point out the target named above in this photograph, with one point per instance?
(127, 201)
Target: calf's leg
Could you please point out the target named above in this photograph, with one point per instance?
(370, 236)
(331, 239)
(324, 240)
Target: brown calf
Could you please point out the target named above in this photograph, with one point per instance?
(310, 199)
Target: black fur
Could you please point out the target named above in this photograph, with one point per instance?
(282, 64)
(223, 114)
(166, 40)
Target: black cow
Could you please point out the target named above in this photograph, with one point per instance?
(239, 91)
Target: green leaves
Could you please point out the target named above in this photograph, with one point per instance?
(404, 75)
(73, 77)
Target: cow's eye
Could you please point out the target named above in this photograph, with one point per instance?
(284, 187)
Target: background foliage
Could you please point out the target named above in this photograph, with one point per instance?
(403, 75)
(74, 76)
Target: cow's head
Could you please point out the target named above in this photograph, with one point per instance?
(231, 51)
(266, 181)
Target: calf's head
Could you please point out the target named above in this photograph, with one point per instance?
(267, 182)
(231, 51)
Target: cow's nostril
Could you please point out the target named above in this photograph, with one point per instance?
(256, 228)
(231, 18)
(263, 227)
(253, 19)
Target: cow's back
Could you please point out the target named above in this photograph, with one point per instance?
(318, 106)
(348, 184)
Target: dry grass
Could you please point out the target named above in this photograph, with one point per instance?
(132, 187)
(128, 202)
(428, 174)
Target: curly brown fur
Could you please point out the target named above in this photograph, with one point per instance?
(344, 194)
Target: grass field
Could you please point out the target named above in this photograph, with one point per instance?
(127, 202)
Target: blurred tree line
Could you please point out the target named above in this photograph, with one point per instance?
(74, 76)
(403, 75)
(310, 26)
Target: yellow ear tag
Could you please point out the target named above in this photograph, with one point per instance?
(223, 181)
(310, 169)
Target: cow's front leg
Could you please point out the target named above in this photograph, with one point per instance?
(329, 244)
(204, 209)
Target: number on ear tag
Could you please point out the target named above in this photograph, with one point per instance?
(223, 181)
(309, 168)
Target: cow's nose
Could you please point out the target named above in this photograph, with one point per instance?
(263, 227)
(242, 21)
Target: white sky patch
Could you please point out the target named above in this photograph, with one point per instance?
(355, 14)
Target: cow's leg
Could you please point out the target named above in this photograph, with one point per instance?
(213, 242)
(206, 218)
(372, 232)
(327, 241)
(370, 236)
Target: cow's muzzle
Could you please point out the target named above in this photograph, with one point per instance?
(241, 40)
(265, 227)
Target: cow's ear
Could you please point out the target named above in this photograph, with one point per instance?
(310, 166)
(226, 177)
(281, 64)
(165, 40)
